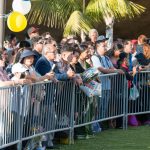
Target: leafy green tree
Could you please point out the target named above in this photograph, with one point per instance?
(80, 15)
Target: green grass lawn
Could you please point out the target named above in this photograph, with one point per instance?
(135, 138)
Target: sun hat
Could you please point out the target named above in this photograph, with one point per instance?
(18, 68)
(26, 53)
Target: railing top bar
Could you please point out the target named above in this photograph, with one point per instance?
(110, 74)
(144, 71)
(46, 82)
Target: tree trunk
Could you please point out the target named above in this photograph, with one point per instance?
(2, 22)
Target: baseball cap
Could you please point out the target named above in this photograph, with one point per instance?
(101, 38)
(32, 30)
(134, 41)
(18, 68)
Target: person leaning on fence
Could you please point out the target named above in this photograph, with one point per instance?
(105, 66)
(6, 97)
(123, 64)
(5, 80)
(27, 59)
(45, 63)
(143, 63)
(79, 102)
(43, 66)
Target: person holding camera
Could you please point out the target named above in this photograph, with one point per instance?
(27, 60)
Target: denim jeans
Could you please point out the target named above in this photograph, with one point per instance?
(104, 103)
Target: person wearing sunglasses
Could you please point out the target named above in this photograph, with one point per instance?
(38, 43)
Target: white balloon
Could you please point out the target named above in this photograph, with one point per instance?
(22, 6)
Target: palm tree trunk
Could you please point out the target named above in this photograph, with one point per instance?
(2, 23)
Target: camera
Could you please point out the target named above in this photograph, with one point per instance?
(148, 41)
(22, 76)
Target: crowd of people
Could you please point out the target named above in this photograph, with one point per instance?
(40, 58)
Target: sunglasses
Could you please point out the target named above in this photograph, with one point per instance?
(52, 52)
(40, 42)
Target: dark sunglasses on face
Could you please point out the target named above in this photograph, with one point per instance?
(52, 52)
(40, 42)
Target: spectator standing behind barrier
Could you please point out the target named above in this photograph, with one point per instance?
(90, 47)
(66, 56)
(142, 39)
(134, 52)
(37, 48)
(80, 101)
(51, 43)
(6, 97)
(19, 72)
(143, 64)
(21, 99)
(114, 54)
(123, 64)
(84, 56)
(5, 80)
(32, 32)
(12, 41)
(27, 59)
(74, 64)
(8, 60)
(128, 50)
(43, 66)
(93, 35)
(104, 65)
(21, 46)
(45, 63)
(143, 59)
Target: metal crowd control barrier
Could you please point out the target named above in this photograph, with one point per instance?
(141, 105)
(108, 106)
(9, 121)
(30, 111)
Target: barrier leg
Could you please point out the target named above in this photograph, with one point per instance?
(71, 133)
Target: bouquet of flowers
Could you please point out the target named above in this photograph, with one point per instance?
(89, 75)
(90, 87)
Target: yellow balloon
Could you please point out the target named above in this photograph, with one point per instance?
(16, 22)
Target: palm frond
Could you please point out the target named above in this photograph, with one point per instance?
(76, 23)
(118, 8)
(52, 13)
